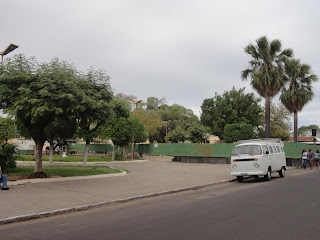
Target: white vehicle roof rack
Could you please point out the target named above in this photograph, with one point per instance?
(273, 140)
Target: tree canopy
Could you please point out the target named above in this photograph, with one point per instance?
(40, 94)
(266, 70)
(298, 90)
(7, 128)
(231, 107)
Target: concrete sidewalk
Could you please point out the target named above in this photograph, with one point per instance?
(157, 176)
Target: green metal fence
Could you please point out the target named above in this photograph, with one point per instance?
(292, 150)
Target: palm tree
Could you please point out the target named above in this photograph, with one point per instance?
(298, 91)
(266, 71)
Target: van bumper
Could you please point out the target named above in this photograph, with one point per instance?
(247, 173)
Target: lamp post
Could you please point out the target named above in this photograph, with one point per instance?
(9, 49)
(134, 107)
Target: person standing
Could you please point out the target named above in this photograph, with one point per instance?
(310, 155)
(304, 158)
(3, 180)
(316, 158)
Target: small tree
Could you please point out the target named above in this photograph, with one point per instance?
(177, 135)
(7, 160)
(7, 128)
(234, 106)
(237, 131)
(95, 106)
(197, 132)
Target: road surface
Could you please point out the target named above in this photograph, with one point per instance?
(284, 208)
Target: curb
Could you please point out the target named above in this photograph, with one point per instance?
(102, 204)
(46, 180)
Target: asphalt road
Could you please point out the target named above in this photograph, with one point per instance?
(284, 208)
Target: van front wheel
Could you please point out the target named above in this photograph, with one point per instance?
(267, 177)
(282, 172)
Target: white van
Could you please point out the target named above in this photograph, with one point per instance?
(258, 157)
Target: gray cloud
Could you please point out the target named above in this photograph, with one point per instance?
(184, 51)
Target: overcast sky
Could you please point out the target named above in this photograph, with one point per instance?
(184, 51)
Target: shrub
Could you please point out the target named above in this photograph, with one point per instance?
(7, 159)
(119, 154)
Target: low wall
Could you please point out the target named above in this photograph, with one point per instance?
(225, 160)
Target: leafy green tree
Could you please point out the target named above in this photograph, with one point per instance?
(305, 131)
(197, 132)
(122, 129)
(39, 94)
(177, 135)
(237, 131)
(266, 70)
(122, 126)
(298, 91)
(139, 131)
(152, 121)
(280, 122)
(95, 106)
(231, 107)
(7, 128)
(124, 97)
(176, 116)
(7, 160)
(154, 103)
(34, 94)
(61, 129)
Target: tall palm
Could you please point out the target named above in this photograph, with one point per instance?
(266, 70)
(298, 91)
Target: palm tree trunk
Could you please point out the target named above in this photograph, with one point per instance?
(295, 126)
(267, 117)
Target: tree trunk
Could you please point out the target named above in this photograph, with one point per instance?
(86, 152)
(267, 117)
(61, 152)
(295, 126)
(125, 151)
(38, 155)
(51, 152)
(113, 152)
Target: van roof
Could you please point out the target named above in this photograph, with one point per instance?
(261, 140)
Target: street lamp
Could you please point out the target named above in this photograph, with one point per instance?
(9, 49)
(134, 107)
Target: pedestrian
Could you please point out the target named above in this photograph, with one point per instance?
(3, 180)
(316, 158)
(304, 158)
(310, 155)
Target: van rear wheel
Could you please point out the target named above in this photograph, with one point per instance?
(282, 172)
(267, 177)
(240, 178)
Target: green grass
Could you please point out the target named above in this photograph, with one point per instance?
(63, 171)
(71, 158)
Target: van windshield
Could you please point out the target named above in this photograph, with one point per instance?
(247, 149)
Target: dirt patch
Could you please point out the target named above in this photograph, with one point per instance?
(23, 177)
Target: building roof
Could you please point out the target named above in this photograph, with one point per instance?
(305, 139)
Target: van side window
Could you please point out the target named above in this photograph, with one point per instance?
(278, 150)
(265, 149)
(270, 149)
(274, 149)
